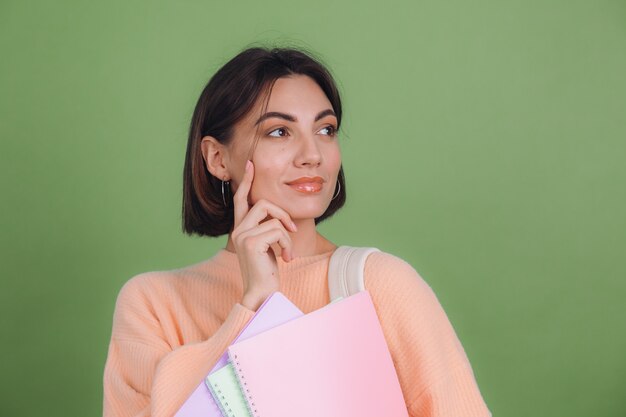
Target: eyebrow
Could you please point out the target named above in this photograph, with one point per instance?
(291, 118)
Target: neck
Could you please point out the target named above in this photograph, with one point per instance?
(306, 241)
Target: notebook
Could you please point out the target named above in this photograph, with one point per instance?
(275, 310)
(226, 392)
(332, 362)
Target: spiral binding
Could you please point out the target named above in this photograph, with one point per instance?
(244, 388)
(218, 393)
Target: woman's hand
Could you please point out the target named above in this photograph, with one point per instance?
(253, 239)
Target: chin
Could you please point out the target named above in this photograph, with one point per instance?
(304, 211)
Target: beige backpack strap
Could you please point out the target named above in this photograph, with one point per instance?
(345, 271)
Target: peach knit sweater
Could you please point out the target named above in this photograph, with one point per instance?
(170, 327)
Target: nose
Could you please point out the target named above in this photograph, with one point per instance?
(309, 153)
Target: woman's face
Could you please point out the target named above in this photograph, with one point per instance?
(297, 139)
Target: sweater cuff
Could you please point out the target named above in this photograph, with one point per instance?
(235, 322)
(180, 372)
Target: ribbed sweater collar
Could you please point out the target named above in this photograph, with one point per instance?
(229, 260)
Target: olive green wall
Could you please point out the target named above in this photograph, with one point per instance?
(484, 142)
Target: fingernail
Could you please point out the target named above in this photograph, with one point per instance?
(248, 164)
(293, 225)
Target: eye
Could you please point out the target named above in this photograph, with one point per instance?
(280, 129)
(332, 130)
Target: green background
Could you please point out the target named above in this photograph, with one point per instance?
(483, 142)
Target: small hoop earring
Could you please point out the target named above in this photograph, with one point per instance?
(339, 189)
(223, 197)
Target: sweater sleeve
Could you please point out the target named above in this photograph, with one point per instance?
(143, 375)
(434, 372)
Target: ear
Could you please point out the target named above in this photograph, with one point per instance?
(215, 157)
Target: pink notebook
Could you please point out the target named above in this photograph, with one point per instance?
(332, 362)
(275, 310)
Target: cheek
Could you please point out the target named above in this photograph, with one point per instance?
(261, 183)
(333, 159)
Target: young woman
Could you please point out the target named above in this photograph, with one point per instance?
(263, 165)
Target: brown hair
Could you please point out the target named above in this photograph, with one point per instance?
(227, 98)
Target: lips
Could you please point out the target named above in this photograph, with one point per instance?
(307, 184)
(305, 180)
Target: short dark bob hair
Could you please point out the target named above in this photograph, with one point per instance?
(227, 98)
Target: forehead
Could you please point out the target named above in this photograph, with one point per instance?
(298, 95)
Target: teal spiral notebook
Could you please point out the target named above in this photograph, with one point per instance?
(226, 392)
